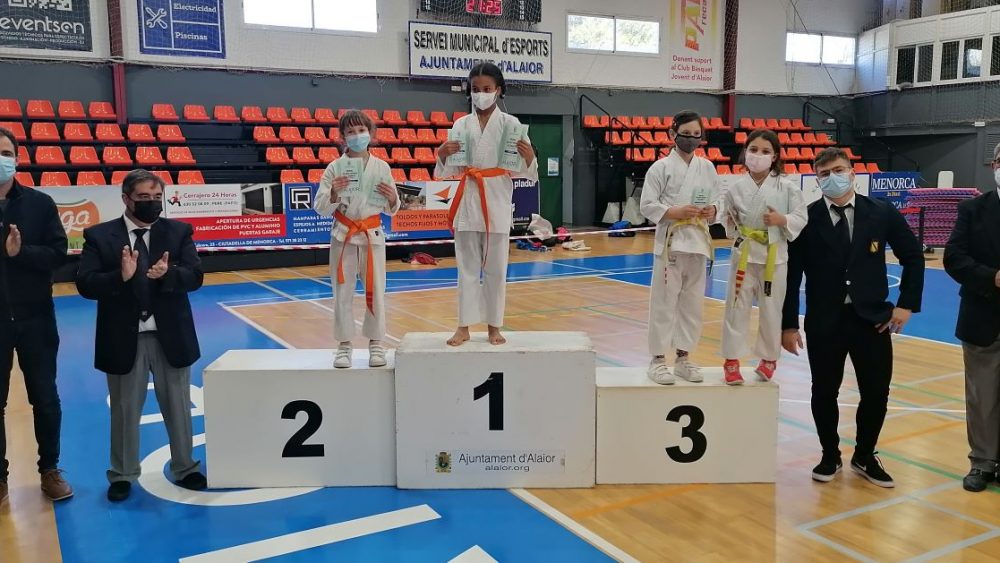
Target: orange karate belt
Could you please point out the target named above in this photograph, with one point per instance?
(479, 175)
(353, 228)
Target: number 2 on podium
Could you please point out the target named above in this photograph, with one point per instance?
(296, 446)
(492, 388)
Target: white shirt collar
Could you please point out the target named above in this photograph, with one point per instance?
(131, 226)
(850, 203)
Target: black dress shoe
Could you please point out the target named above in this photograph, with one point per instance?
(119, 491)
(194, 482)
(976, 480)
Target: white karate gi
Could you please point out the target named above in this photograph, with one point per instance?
(356, 208)
(677, 290)
(746, 205)
(484, 302)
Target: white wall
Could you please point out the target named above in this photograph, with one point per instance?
(760, 60)
(100, 43)
(250, 47)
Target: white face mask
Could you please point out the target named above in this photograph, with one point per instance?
(484, 100)
(996, 176)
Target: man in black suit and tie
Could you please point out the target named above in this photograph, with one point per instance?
(140, 269)
(972, 257)
(842, 254)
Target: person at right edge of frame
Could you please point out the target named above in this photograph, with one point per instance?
(972, 258)
(140, 268)
(841, 252)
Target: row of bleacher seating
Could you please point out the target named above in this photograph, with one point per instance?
(422, 156)
(48, 132)
(774, 124)
(301, 115)
(292, 135)
(68, 110)
(97, 178)
(660, 138)
(110, 156)
(652, 122)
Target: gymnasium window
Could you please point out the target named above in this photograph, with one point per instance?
(612, 35)
(914, 64)
(949, 60)
(972, 59)
(995, 56)
(324, 15)
(816, 48)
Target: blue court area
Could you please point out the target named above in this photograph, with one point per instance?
(161, 523)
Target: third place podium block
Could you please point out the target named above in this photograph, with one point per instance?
(481, 416)
(687, 432)
(288, 418)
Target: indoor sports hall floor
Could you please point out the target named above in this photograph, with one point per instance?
(604, 292)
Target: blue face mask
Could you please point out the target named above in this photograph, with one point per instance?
(835, 185)
(359, 142)
(8, 165)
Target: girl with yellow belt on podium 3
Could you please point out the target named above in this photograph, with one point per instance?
(356, 188)
(681, 197)
(764, 211)
(486, 148)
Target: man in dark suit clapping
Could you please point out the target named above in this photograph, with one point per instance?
(841, 252)
(972, 257)
(140, 268)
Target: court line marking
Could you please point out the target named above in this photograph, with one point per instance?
(912, 409)
(572, 525)
(633, 501)
(474, 554)
(317, 537)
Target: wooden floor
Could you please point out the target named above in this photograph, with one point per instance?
(923, 444)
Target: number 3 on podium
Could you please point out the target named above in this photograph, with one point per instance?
(492, 388)
(691, 431)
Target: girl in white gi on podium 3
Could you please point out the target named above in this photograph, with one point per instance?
(356, 188)
(486, 148)
(764, 211)
(681, 195)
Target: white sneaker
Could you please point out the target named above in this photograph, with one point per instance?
(343, 357)
(684, 369)
(376, 355)
(659, 372)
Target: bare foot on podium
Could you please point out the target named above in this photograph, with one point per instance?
(495, 337)
(461, 336)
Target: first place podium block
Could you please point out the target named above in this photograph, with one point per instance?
(687, 432)
(481, 416)
(288, 418)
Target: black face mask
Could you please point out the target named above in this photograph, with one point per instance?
(147, 211)
(687, 143)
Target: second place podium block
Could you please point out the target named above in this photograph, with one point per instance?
(481, 416)
(288, 418)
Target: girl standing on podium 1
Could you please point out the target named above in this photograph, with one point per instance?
(485, 148)
(681, 196)
(356, 189)
(764, 211)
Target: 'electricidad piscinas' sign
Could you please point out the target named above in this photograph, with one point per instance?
(450, 51)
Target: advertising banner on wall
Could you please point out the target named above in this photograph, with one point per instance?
(182, 28)
(450, 51)
(695, 43)
(270, 216)
(894, 186)
(62, 25)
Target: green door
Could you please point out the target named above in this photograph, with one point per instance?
(546, 134)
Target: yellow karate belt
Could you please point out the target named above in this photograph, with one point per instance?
(760, 236)
(702, 226)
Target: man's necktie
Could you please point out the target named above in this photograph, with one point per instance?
(140, 281)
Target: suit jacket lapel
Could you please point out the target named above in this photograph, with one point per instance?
(157, 234)
(860, 238)
(120, 236)
(825, 225)
(991, 212)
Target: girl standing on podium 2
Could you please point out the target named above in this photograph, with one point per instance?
(356, 188)
(681, 196)
(485, 148)
(764, 212)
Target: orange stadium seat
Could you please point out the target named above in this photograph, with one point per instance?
(145, 156)
(381, 153)
(302, 115)
(16, 128)
(277, 155)
(408, 136)
(386, 136)
(49, 156)
(785, 125)
(164, 175)
(278, 115)
(440, 119)
(402, 157)
(44, 131)
(140, 133)
(180, 156)
(116, 156)
(226, 114)
(292, 177)
(315, 175)
(39, 109)
(326, 116)
(458, 115)
(417, 119)
(53, 179)
(77, 133)
(399, 175)
(24, 178)
(188, 177)
(328, 154)
(805, 168)
(392, 118)
(335, 136)
(109, 133)
(424, 155)
(873, 168)
(118, 177)
(170, 134)
(426, 137)
(850, 154)
(71, 109)
(723, 169)
(290, 135)
(442, 136)
(91, 178)
(164, 112)
(373, 114)
(304, 156)
(859, 167)
(419, 175)
(194, 112)
(316, 136)
(746, 123)
(102, 111)
(23, 158)
(83, 156)
(252, 114)
(264, 134)
(791, 168)
(10, 109)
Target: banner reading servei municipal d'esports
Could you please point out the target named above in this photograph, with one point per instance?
(263, 216)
